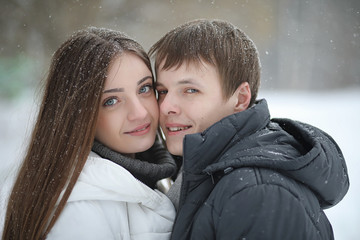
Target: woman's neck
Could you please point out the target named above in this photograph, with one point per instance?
(129, 155)
(148, 167)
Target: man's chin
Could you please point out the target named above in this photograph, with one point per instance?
(175, 149)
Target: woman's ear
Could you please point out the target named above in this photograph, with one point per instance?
(242, 97)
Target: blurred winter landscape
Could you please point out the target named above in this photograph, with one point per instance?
(310, 54)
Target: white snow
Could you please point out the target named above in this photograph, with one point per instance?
(336, 112)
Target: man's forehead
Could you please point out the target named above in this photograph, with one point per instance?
(187, 74)
(197, 63)
(198, 67)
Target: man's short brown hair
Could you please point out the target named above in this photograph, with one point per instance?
(216, 42)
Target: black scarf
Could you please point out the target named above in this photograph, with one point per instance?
(149, 167)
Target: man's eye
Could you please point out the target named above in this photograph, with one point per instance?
(145, 88)
(191, 90)
(161, 92)
(110, 102)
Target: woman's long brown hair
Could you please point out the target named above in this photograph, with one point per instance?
(64, 131)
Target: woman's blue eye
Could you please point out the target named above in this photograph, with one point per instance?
(145, 88)
(110, 102)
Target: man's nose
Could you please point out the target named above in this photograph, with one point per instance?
(169, 105)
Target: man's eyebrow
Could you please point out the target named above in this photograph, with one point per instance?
(181, 82)
(122, 89)
(157, 84)
(186, 81)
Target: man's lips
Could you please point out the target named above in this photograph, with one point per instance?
(140, 130)
(176, 128)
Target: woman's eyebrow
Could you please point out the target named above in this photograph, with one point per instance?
(114, 90)
(143, 79)
(122, 89)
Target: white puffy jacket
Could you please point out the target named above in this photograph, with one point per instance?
(108, 202)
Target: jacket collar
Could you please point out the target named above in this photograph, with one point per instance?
(206, 145)
(104, 180)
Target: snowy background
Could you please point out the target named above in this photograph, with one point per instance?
(310, 54)
(336, 112)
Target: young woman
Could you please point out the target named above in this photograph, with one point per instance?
(92, 164)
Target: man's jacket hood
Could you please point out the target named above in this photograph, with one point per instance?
(250, 139)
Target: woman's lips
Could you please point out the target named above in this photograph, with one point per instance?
(140, 130)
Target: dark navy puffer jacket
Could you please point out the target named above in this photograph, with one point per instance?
(247, 177)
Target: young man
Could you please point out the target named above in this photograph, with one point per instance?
(243, 176)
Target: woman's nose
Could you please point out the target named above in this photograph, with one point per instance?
(137, 110)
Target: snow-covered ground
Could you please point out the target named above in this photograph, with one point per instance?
(336, 112)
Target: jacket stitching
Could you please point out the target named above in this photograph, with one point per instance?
(308, 213)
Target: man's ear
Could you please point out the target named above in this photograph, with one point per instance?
(242, 97)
